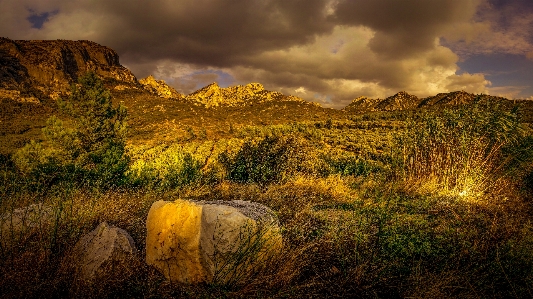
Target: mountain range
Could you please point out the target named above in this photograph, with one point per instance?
(34, 74)
(33, 70)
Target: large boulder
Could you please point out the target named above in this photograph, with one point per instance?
(105, 249)
(210, 241)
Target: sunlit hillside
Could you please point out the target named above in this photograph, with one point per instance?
(426, 203)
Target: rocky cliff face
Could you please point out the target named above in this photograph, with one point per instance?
(48, 67)
(241, 95)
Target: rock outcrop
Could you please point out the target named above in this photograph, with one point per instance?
(160, 88)
(218, 241)
(213, 95)
(362, 104)
(104, 249)
(47, 67)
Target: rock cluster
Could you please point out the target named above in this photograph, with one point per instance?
(189, 242)
(213, 95)
(160, 88)
(210, 241)
(48, 67)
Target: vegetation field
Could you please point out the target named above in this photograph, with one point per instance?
(417, 204)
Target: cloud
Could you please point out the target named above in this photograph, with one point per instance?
(300, 89)
(499, 27)
(324, 50)
(510, 92)
(405, 28)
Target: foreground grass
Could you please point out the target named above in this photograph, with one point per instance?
(437, 206)
(344, 236)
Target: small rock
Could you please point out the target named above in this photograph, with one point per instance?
(21, 222)
(103, 248)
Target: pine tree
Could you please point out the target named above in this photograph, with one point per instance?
(96, 143)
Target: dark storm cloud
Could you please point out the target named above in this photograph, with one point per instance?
(320, 49)
(212, 33)
(404, 27)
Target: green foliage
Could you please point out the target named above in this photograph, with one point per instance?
(308, 131)
(350, 165)
(172, 168)
(93, 147)
(270, 160)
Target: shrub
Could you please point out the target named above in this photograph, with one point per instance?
(273, 159)
(171, 169)
(350, 165)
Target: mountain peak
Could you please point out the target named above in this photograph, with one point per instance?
(159, 87)
(255, 87)
(400, 101)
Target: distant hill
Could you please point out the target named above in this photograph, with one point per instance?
(400, 101)
(404, 101)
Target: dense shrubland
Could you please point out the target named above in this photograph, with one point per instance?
(426, 204)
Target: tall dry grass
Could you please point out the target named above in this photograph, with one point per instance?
(463, 151)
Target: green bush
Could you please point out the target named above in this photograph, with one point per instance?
(272, 159)
(172, 168)
(350, 165)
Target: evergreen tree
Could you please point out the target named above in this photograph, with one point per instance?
(94, 145)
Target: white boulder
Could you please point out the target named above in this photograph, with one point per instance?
(210, 241)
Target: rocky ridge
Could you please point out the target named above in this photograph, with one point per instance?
(36, 68)
(405, 101)
(33, 70)
(213, 95)
(400, 101)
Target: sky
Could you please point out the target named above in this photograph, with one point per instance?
(327, 51)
